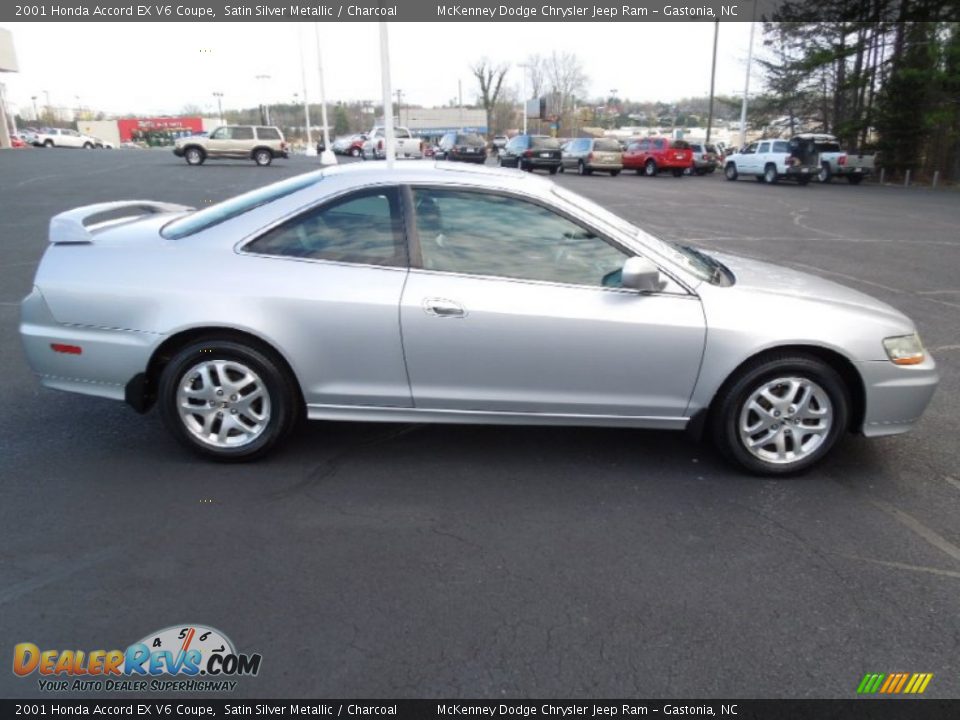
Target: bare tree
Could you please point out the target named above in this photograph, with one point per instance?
(566, 77)
(490, 77)
(536, 75)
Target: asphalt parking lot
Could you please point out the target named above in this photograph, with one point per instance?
(369, 560)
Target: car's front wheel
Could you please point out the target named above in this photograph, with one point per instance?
(730, 172)
(194, 156)
(226, 400)
(781, 414)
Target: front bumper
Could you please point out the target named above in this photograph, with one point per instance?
(178, 151)
(896, 396)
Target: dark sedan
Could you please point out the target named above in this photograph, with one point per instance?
(532, 152)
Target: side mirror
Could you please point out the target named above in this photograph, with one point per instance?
(640, 274)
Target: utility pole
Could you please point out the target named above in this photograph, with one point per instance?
(36, 114)
(219, 97)
(399, 106)
(326, 157)
(388, 136)
(746, 83)
(713, 76)
(311, 150)
(266, 105)
(460, 93)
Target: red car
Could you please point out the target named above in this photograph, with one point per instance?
(649, 156)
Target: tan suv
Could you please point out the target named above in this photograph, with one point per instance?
(259, 143)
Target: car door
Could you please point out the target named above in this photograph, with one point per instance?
(747, 161)
(218, 144)
(330, 279)
(512, 307)
(71, 138)
(241, 142)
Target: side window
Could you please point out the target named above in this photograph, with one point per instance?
(660, 144)
(781, 146)
(268, 133)
(751, 149)
(243, 133)
(633, 147)
(363, 227)
(645, 145)
(764, 147)
(479, 233)
(222, 133)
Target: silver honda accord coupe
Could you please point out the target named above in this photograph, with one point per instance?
(437, 293)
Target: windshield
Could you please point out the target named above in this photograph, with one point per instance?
(694, 261)
(221, 212)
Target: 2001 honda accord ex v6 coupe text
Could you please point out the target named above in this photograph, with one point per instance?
(448, 293)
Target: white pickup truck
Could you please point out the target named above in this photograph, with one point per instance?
(835, 162)
(772, 159)
(61, 137)
(375, 146)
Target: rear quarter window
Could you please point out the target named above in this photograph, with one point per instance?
(781, 146)
(243, 133)
(268, 133)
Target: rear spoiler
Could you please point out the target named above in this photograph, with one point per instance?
(75, 226)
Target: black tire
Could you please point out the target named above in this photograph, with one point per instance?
(825, 175)
(355, 152)
(770, 176)
(561, 168)
(194, 156)
(729, 403)
(48, 143)
(854, 179)
(583, 169)
(88, 146)
(730, 172)
(284, 399)
(262, 157)
(554, 170)
(614, 173)
(650, 168)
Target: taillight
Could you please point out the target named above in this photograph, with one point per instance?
(528, 153)
(589, 157)
(380, 145)
(842, 160)
(66, 349)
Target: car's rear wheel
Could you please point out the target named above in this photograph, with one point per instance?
(88, 146)
(650, 169)
(262, 157)
(770, 176)
(355, 152)
(226, 400)
(554, 170)
(730, 172)
(48, 143)
(194, 156)
(825, 175)
(780, 414)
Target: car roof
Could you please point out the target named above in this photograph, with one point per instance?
(427, 171)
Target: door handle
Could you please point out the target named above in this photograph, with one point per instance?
(441, 307)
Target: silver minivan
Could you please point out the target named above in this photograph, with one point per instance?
(587, 155)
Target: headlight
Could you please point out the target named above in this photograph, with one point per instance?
(904, 350)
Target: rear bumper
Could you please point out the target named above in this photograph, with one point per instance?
(106, 363)
(606, 167)
(896, 396)
(803, 170)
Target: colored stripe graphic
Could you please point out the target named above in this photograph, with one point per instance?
(894, 683)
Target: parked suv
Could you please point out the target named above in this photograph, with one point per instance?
(257, 142)
(650, 156)
(588, 154)
(530, 152)
(704, 158)
(771, 160)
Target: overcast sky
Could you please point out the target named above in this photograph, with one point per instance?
(156, 68)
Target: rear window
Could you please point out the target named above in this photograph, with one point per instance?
(680, 145)
(606, 145)
(470, 139)
(828, 147)
(229, 209)
(711, 148)
(544, 143)
(268, 133)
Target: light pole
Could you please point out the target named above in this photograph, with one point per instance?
(266, 105)
(713, 76)
(746, 83)
(36, 114)
(311, 150)
(49, 106)
(523, 94)
(219, 97)
(326, 157)
(389, 144)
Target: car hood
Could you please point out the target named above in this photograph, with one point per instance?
(758, 277)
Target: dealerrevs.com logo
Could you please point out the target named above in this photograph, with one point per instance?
(180, 658)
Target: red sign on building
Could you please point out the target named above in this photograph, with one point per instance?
(135, 128)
